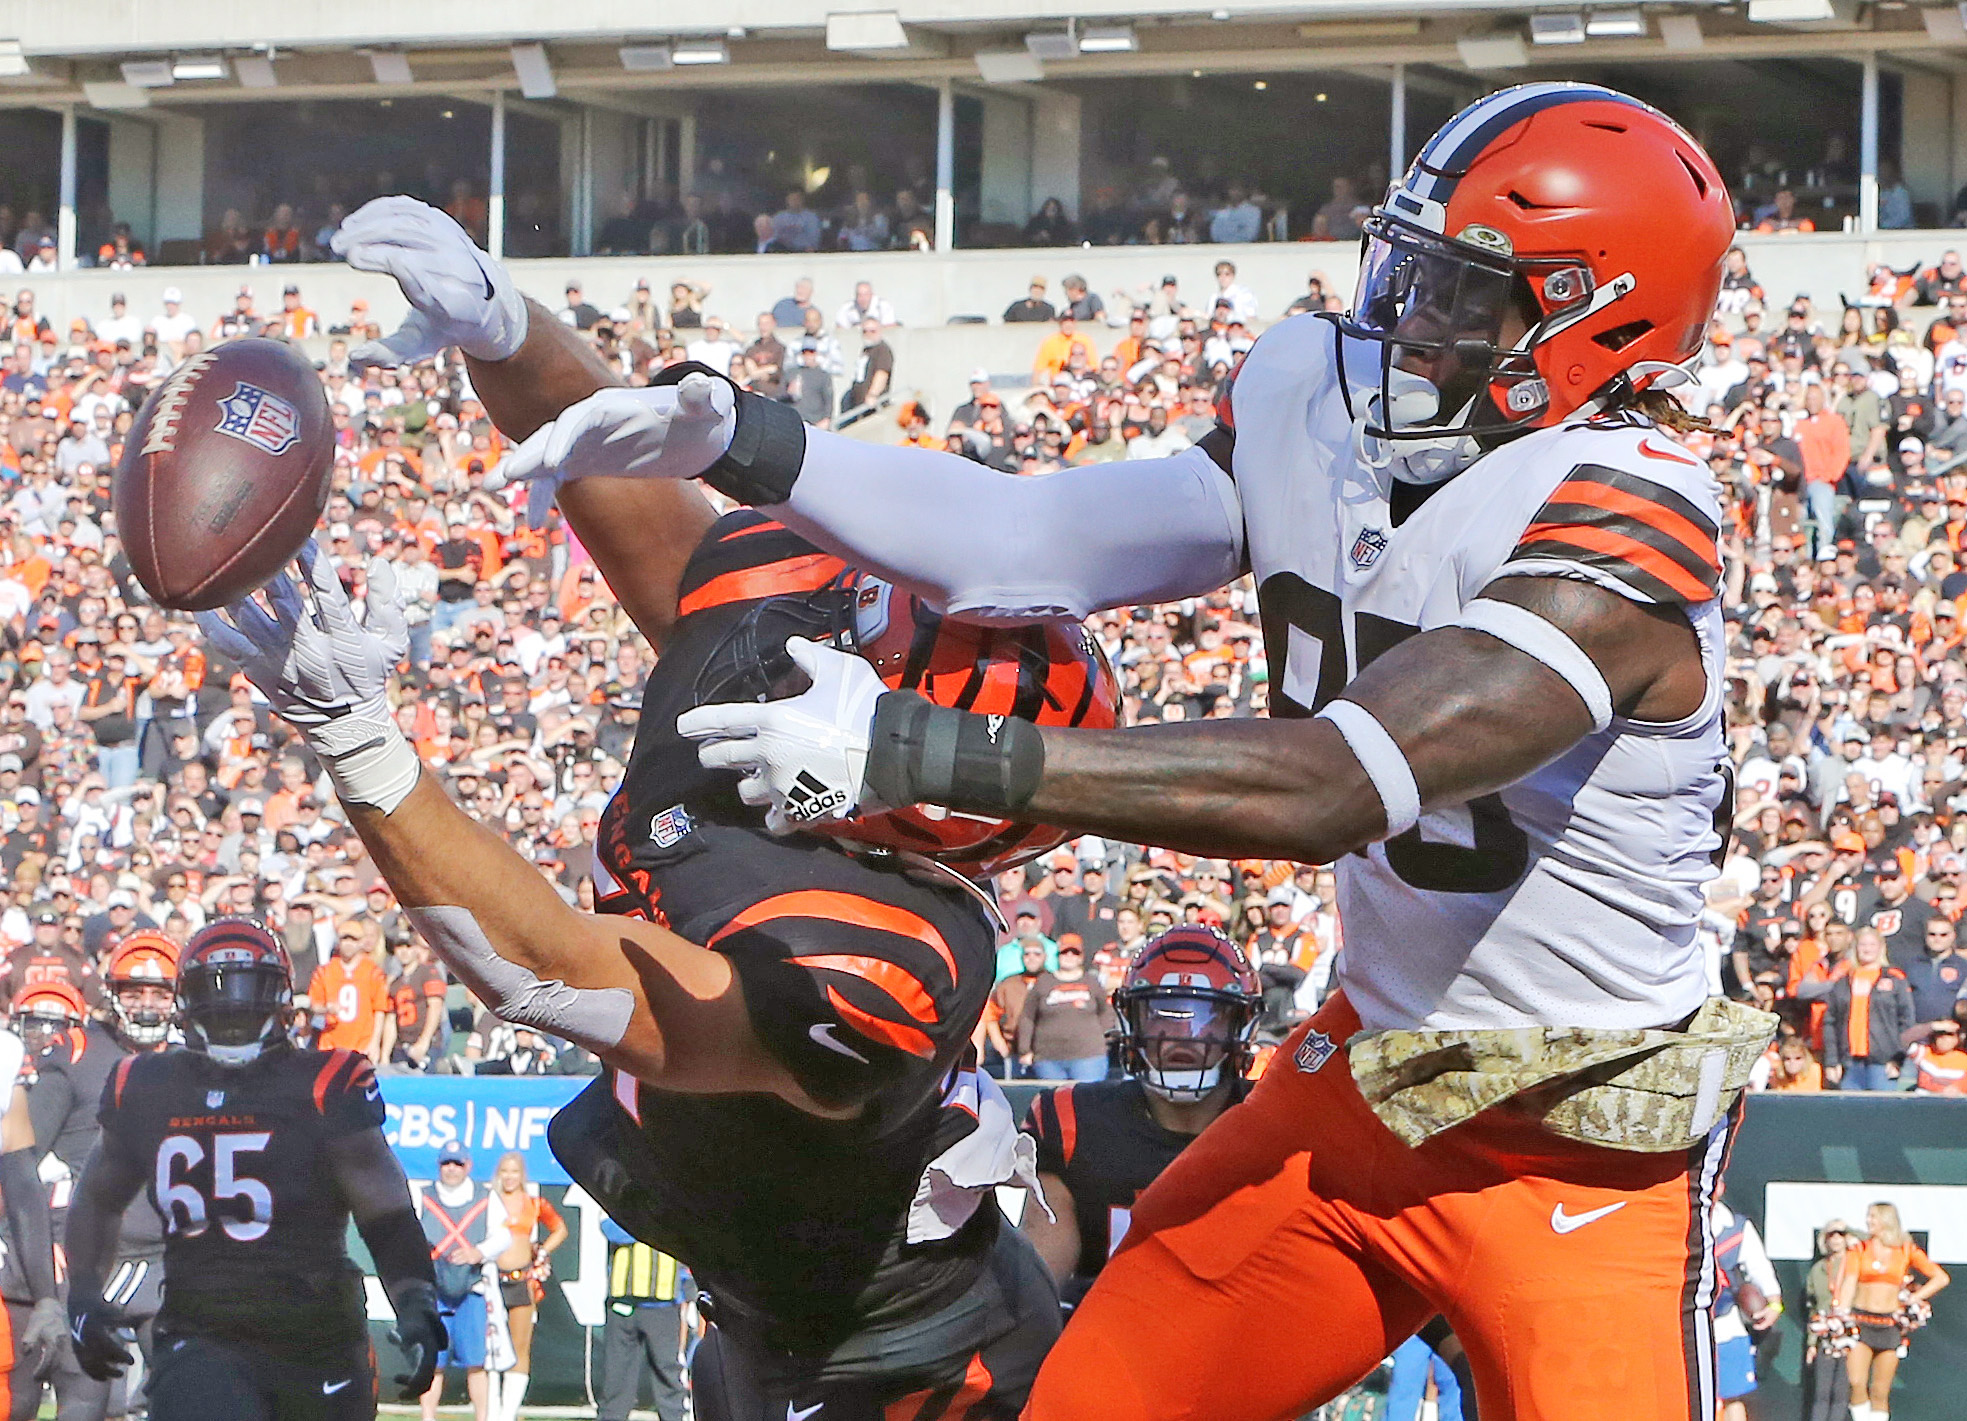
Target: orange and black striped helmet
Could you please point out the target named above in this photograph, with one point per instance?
(235, 983)
(1049, 672)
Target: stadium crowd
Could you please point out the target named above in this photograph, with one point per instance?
(143, 784)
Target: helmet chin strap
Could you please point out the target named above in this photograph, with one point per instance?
(1183, 1085)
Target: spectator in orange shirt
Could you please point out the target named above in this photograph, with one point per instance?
(1133, 345)
(296, 321)
(350, 995)
(1825, 440)
(1056, 351)
(1795, 1068)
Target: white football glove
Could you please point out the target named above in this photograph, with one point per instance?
(805, 756)
(661, 432)
(326, 673)
(459, 296)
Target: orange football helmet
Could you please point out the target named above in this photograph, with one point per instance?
(1050, 672)
(1591, 217)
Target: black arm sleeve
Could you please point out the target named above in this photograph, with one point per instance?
(27, 1215)
(49, 1104)
(396, 1241)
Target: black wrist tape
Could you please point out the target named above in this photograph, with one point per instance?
(767, 447)
(396, 1241)
(923, 753)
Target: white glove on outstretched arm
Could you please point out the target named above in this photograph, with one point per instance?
(661, 432)
(459, 296)
(805, 756)
(326, 673)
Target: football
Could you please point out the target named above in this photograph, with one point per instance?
(225, 473)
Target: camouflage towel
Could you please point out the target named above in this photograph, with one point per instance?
(1653, 1090)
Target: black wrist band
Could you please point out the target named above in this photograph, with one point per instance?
(767, 447)
(923, 753)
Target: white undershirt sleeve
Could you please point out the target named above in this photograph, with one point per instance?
(998, 547)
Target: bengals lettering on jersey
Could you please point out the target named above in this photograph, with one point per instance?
(255, 1226)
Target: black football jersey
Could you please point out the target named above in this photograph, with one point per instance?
(69, 1076)
(1100, 1139)
(864, 978)
(255, 1224)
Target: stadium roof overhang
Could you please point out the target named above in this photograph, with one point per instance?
(205, 51)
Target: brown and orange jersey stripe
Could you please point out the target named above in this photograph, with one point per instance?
(1630, 528)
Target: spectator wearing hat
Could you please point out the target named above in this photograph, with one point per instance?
(455, 1214)
(1033, 309)
(1088, 910)
(47, 955)
(118, 919)
(297, 322)
(578, 311)
(1006, 1006)
(349, 994)
(715, 348)
(1935, 1061)
(411, 1031)
(1890, 906)
(1063, 1027)
(1937, 969)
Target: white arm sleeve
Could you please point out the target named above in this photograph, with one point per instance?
(995, 546)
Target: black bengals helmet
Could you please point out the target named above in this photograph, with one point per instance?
(1187, 1009)
(235, 985)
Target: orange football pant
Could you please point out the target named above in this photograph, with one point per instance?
(1297, 1242)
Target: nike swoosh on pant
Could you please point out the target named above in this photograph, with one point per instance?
(330, 1388)
(1563, 1223)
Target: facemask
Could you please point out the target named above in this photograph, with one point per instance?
(1183, 1085)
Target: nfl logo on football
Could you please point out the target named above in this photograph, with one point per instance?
(1367, 547)
(259, 417)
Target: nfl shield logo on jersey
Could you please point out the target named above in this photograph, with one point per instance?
(1367, 547)
(214, 1099)
(261, 418)
(1314, 1051)
(669, 827)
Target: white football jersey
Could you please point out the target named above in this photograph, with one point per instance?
(1571, 898)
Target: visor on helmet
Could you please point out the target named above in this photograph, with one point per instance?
(1437, 309)
(752, 664)
(232, 1004)
(1179, 1040)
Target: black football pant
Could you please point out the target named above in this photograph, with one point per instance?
(974, 1359)
(204, 1379)
(634, 1337)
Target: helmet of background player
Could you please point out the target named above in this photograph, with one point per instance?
(50, 1012)
(1555, 248)
(1049, 672)
(141, 976)
(1187, 1009)
(235, 985)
